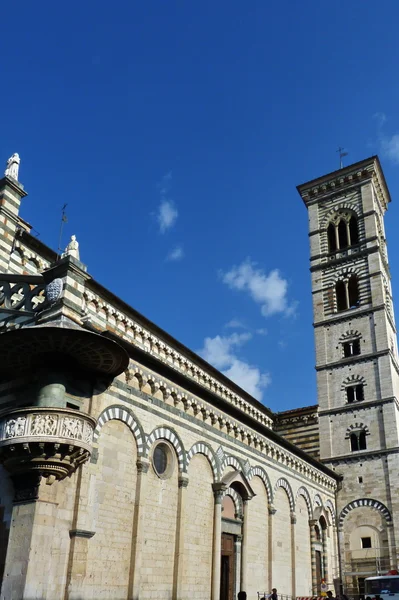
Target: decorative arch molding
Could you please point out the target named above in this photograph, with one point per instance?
(164, 433)
(342, 210)
(353, 380)
(202, 448)
(347, 273)
(331, 509)
(351, 334)
(231, 461)
(283, 483)
(356, 427)
(305, 494)
(365, 503)
(120, 413)
(236, 499)
(261, 473)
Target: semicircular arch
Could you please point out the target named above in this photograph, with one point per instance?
(121, 413)
(302, 491)
(365, 503)
(203, 448)
(261, 473)
(283, 483)
(165, 433)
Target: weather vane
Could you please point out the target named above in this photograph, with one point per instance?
(64, 219)
(341, 156)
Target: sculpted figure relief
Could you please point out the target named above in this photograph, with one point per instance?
(44, 425)
(72, 428)
(88, 434)
(15, 427)
(13, 166)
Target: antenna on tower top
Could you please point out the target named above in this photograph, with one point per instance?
(64, 219)
(341, 156)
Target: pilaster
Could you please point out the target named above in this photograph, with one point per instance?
(138, 527)
(11, 194)
(179, 552)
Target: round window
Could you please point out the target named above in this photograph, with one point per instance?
(161, 459)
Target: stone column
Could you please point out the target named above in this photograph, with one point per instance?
(237, 552)
(19, 543)
(244, 549)
(138, 525)
(313, 542)
(391, 547)
(272, 511)
(325, 574)
(179, 551)
(293, 556)
(217, 542)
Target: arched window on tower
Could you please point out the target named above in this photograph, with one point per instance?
(358, 440)
(342, 234)
(340, 292)
(353, 292)
(354, 442)
(355, 393)
(342, 231)
(353, 231)
(362, 441)
(332, 239)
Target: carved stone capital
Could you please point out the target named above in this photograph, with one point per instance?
(82, 533)
(143, 465)
(183, 480)
(219, 489)
(272, 509)
(293, 518)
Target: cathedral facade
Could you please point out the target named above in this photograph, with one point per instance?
(132, 469)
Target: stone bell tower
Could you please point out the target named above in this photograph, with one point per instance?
(356, 360)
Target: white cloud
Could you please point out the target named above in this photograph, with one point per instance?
(390, 147)
(268, 290)
(261, 331)
(167, 215)
(219, 351)
(389, 144)
(249, 378)
(176, 254)
(235, 324)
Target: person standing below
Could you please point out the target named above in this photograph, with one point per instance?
(273, 595)
(330, 596)
(242, 596)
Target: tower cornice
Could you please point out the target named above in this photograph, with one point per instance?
(368, 169)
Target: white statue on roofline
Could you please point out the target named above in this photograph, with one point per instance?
(12, 167)
(73, 248)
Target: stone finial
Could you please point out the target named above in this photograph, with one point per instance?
(73, 248)
(12, 167)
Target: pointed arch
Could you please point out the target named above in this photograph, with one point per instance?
(283, 483)
(203, 448)
(305, 494)
(261, 473)
(171, 436)
(365, 502)
(121, 413)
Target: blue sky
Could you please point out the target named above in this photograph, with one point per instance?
(177, 132)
